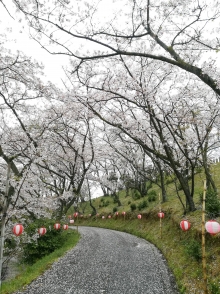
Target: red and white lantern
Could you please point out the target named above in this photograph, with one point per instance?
(139, 216)
(65, 227)
(116, 213)
(90, 215)
(185, 225)
(42, 231)
(103, 217)
(18, 229)
(212, 227)
(56, 226)
(109, 216)
(160, 214)
(123, 213)
(71, 221)
(75, 214)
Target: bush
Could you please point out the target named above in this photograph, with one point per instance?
(212, 203)
(135, 195)
(142, 205)
(133, 206)
(37, 247)
(104, 203)
(152, 195)
(115, 209)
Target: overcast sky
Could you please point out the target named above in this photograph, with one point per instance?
(18, 40)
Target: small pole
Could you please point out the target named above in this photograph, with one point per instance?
(160, 217)
(203, 241)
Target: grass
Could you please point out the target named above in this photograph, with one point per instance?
(181, 254)
(182, 250)
(29, 273)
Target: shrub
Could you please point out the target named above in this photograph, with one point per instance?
(136, 195)
(37, 247)
(142, 205)
(133, 206)
(212, 203)
(115, 209)
(106, 203)
(152, 195)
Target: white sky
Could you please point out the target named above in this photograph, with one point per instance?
(19, 40)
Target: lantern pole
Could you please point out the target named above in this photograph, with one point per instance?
(203, 241)
(160, 217)
(3, 221)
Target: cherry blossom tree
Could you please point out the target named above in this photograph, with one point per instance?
(20, 86)
(179, 33)
(132, 98)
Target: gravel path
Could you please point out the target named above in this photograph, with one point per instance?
(107, 261)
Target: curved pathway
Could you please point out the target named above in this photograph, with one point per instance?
(107, 261)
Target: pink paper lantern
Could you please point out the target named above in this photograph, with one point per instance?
(109, 216)
(65, 227)
(103, 217)
(42, 231)
(123, 213)
(56, 226)
(160, 214)
(185, 225)
(212, 227)
(116, 213)
(18, 229)
(139, 216)
(71, 221)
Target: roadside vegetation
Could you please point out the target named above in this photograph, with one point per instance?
(28, 271)
(182, 250)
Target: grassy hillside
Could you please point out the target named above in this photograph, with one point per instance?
(181, 249)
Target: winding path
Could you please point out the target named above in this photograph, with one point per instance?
(107, 261)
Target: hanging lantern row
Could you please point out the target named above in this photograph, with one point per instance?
(18, 229)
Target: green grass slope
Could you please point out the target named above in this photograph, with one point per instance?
(182, 250)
